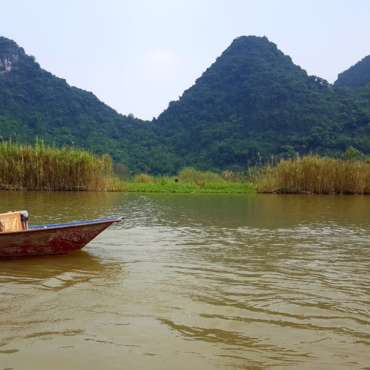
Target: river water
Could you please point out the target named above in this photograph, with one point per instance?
(193, 282)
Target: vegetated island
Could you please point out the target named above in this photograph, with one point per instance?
(46, 168)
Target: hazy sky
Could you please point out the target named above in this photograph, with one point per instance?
(139, 55)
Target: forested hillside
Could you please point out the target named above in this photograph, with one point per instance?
(253, 103)
(34, 103)
(356, 76)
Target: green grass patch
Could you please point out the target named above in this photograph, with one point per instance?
(187, 187)
(188, 180)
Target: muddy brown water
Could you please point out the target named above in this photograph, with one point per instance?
(193, 282)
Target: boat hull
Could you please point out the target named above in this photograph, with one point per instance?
(52, 239)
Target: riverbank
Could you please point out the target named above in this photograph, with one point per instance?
(170, 186)
(316, 175)
(187, 180)
(46, 168)
(43, 167)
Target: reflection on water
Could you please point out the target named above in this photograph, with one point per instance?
(193, 281)
(64, 271)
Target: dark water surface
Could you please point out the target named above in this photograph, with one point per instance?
(193, 282)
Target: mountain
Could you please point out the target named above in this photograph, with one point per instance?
(356, 76)
(254, 103)
(35, 103)
(251, 105)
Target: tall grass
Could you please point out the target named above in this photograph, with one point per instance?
(316, 175)
(43, 167)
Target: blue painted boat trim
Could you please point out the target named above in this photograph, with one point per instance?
(77, 223)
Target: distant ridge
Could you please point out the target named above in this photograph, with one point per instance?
(356, 76)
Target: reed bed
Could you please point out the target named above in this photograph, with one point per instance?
(316, 175)
(43, 167)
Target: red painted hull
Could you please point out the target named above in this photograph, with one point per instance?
(54, 239)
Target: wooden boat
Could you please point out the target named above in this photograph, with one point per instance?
(49, 239)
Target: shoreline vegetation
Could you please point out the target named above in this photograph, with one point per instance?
(44, 167)
(313, 174)
(47, 168)
(189, 180)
